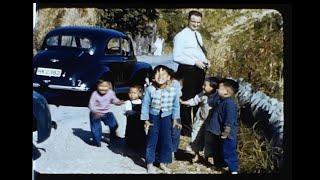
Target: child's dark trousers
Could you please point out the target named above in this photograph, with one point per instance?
(109, 120)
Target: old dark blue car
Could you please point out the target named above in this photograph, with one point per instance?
(73, 58)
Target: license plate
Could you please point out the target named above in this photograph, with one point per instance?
(49, 72)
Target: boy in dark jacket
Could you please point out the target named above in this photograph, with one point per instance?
(221, 131)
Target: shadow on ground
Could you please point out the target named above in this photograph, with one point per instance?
(84, 135)
(115, 146)
(182, 155)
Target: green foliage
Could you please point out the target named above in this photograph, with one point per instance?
(257, 56)
(162, 28)
(134, 21)
(171, 21)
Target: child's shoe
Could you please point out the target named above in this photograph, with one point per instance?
(210, 160)
(196, 158)
(151, 169)
(173, 157)
(165, 168)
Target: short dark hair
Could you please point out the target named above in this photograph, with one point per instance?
(196, 13)
(102, 80)
(171, 73)
(165, 68)
(213, 82)
(230, 83)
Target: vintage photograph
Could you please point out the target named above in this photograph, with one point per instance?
(157, 91)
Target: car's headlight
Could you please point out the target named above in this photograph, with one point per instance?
(91, 52)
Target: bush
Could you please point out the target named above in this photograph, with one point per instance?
(255, 54)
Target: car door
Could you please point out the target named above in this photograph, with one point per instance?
(120, 58)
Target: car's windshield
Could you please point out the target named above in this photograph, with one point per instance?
(69, 41)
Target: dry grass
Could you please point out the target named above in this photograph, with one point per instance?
(255, 152)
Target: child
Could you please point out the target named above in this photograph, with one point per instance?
(99, 105)
(197, 136)
(160, 107)
(135, 134)
(221, 131)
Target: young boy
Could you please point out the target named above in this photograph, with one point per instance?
(135, 135)
(221, 131)
(197, 135)
(160, 111)
(99, 105)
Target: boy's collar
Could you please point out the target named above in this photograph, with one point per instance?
(226, 97)
(136, 101)
(168, 87)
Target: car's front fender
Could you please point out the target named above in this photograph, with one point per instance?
(140, 72)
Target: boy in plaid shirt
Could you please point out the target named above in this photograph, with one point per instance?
(160, 111)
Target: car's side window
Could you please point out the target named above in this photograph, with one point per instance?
(118, 46)
(85, 43)
(68, 41)
(125, 47)
(113, 46)
(53, 41)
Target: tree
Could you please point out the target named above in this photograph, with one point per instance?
(133, 21)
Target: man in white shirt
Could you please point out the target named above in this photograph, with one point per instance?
(189, 54)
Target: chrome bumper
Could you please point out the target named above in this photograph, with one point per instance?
(69, 88)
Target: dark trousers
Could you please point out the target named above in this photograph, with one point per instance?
(95, 125)
(175, 137)
(135, 135)
(230, 156)
(193, 78)
(224, 151)
(159, 138)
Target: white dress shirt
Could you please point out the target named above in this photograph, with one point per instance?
(186, 49)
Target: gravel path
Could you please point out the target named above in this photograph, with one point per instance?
(68, 149)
